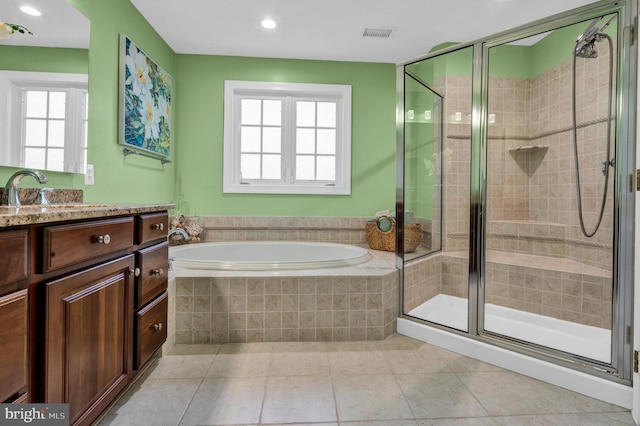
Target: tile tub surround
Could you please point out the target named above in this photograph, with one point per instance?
(343, 230)
(358, 302)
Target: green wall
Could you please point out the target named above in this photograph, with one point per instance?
(130, 180)
(199, 103)
(194, 178)
(44, 59)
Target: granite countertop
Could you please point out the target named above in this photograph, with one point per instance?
(30, 214)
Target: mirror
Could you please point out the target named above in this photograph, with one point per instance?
(44, 87)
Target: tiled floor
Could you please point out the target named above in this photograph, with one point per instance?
(399, 381)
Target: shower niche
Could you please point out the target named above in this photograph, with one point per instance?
(526, 200)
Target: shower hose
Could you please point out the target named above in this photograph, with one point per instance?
(605, 170)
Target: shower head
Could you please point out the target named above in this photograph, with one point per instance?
(586, 42)
(587, 50)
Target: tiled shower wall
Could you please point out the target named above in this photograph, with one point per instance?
(532, 207)
(578, 294)
(539, 185)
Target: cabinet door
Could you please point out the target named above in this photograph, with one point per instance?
(89, 333)
(154, 272)
(13, 341)
(13, 260)
(151, 326)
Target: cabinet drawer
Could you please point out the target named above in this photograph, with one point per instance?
(13, 335)
(13, 261)
(151, 324)
(152, 227)
(154, 265)
(65, 245)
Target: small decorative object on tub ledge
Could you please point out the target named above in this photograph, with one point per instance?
(380, 232)
(193, 229)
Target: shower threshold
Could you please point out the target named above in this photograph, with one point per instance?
(587, 341)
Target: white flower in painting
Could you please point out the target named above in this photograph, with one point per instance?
(150, 117)
(138, 68)
(165, 108)
(5, 31)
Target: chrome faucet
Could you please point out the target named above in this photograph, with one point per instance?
(180, 231)
(13, 184)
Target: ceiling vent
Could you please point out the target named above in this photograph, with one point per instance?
(378, 32)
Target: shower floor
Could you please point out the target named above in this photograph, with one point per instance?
(583, 340)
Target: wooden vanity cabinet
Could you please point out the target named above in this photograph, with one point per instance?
(151, 286)
(86, 290)
(13, 315)
(83, 304)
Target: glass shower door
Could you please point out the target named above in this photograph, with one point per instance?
(551, 118)
(437, 141)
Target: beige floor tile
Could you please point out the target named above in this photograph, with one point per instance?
(235, 348)
(358, 363)
(303, 424)
(299, 399)
(161, 402)
(385, 383)
(314, 347)
(470, 421)
(594, 419)
(506, 393)
(194, 350)
(226, 401)
(299, 364)
(382, 423)
(439, 395)
(423, 360)
(370, 398)
(181, 367)
(568, 401)
(240, 365)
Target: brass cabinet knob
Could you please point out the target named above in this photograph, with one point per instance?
(158, 226)
(158, 271)
(157, 327)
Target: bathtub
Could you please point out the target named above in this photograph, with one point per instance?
(266, 255)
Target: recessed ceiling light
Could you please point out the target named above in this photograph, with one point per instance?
(30, 10)
(268, 24)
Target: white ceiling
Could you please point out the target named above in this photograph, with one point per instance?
(332, 29)
(60, 25)
(326, 29)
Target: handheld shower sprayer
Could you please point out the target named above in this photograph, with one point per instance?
(586, 48)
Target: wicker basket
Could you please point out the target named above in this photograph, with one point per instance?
(379, 240)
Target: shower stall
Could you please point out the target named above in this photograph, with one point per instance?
(515, 154)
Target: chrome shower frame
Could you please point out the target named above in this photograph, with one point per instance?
(620, 368)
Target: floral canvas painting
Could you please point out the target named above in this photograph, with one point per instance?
(145, 101)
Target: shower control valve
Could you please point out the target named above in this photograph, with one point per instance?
(606, 164)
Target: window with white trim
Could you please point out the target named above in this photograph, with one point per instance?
(287, 138)
(54, 128)
(43, 120)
